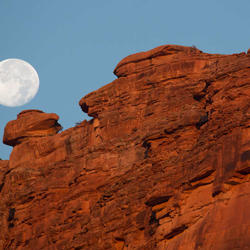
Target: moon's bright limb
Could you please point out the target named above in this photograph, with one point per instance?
(19, 82)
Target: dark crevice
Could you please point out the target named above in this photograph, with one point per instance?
(85, 107)
(147, 146)
(11, 214)
(168, 132)
(171, 131)
(58, 126)
(153, 224)
(1, 187)
(78, 248)
(11, 217)
(119, 239)
(11, 225)
(202, 121)
(175, 232)
(198, 97)
(216, 192)
(151, 84)
(29, 198)
(155, 200)
(202, 176)
(153, 219)
(209, 101)
(244, 171)
(208, 83)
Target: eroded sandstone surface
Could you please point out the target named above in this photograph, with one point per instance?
(163, 164)
(30, 123)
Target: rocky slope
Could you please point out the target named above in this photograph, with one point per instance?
(163, 164)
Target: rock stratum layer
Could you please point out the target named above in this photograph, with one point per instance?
(163, 164)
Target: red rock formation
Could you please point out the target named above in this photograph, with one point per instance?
(163, 164)
(30, 123)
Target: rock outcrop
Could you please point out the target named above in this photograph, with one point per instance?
(163, 164)
(30, 123)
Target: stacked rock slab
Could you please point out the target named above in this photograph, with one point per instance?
(30, 123)
(163, 164)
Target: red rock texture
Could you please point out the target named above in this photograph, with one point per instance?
(163, 164)
(30, 123)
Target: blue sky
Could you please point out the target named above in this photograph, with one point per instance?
(75, 45)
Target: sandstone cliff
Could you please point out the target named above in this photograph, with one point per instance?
(163, 164)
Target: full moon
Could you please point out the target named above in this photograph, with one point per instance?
(19, 82)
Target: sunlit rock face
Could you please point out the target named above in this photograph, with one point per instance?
(30, 123)
(163, 164)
